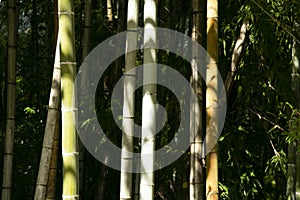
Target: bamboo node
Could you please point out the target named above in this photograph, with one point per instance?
(11, 46)
(67, 63)
(294, 75)
(129, 75)
(11, 82)
(68, 109)
(148, 184)
(135, 30)
(70, 196)
(65, 12)
(57, 68)
(213, 193)
(6, 187)
(70, 153)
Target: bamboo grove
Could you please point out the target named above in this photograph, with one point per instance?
(254, 45)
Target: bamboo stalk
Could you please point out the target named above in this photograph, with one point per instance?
(50, 195)
(293, 169)
(148, 102)
(128, 104)
(212, 100)
(68, 72)
(11, 100)
(51, 123)
(85, 52)
(197, 173)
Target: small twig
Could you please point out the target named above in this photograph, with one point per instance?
(273, 147)
(276, 125)
(266, 119)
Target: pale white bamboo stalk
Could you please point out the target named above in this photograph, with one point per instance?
(128, 104)
(109, 10)
(148, 102)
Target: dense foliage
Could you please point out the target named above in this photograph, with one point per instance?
(253, 144)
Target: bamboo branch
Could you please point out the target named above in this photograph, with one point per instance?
(236, 56)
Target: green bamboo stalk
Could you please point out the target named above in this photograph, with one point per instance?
(68, 72)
